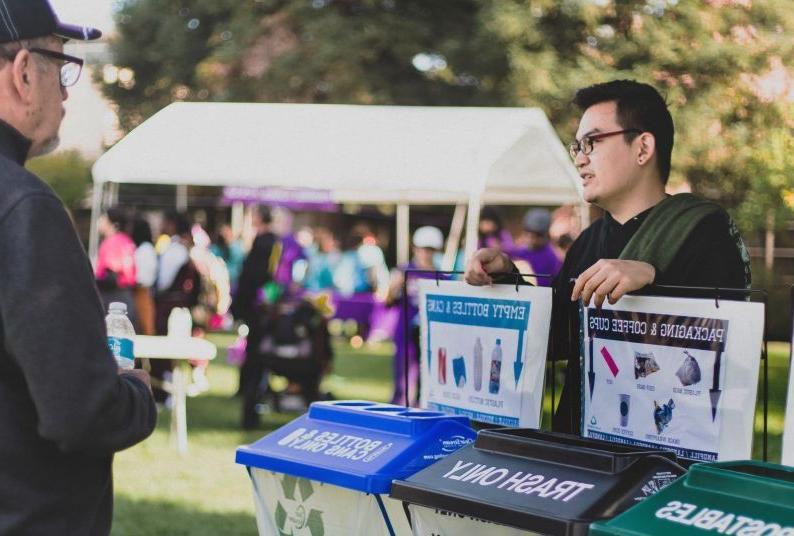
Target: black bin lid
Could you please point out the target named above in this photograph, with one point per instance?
(540, 481)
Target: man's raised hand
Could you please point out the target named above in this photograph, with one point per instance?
(485, 262)
(611, 279)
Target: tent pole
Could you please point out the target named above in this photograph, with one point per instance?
(403, 232)
(181, 198)
(472, 224)
(96, 210)
(248, 233)
(238, 218)
(453, 240)
(107, 195)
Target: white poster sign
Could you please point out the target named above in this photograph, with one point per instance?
(483, 350)
(788, 430)
(674, 373)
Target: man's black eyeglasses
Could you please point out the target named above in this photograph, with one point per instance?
(70, 69)
(585, 145)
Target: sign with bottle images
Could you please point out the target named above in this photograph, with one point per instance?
(675, 373)
(788, 430)
(483, 350)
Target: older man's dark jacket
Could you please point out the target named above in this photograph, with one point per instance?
(64, 410)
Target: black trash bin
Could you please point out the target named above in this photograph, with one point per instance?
(519, 481)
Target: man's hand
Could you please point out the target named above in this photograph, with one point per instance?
(485, 262)
(140, 374)
(611, 279)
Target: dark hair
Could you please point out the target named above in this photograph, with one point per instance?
(639, 106)
(141, 232)
(182, 225)
(355, 236)
(221, 244)
(264, 214)
(117, 217)
(178, 221)
(492, 214)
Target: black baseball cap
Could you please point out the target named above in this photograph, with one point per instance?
(28, 19)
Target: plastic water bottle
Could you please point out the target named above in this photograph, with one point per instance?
(477, 365)
(496, 368)
(120, 335)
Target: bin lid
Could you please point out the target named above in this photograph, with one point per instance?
(358, 444)
(738, 497)
(540, 481)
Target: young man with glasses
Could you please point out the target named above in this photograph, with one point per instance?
(623, 150)
(65, 409)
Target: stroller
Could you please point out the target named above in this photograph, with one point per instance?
(295, 344)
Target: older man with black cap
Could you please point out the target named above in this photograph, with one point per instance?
(64, 408)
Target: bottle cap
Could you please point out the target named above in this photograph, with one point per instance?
(498, 341)
(117, 307)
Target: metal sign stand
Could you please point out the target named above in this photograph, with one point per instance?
(700, 292)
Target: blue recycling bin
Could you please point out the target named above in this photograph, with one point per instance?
(330, 471)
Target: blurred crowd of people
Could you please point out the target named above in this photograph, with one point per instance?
(153, 277)
(265, 284)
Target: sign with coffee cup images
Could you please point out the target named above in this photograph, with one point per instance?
(675, 373)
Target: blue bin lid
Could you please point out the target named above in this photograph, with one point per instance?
(358, 444)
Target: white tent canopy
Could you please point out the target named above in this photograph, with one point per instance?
(366, 154)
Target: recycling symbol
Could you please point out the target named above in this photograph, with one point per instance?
(291, 520)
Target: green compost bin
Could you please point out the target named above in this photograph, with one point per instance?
(743, 498)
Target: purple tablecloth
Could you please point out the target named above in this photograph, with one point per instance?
(376, 321)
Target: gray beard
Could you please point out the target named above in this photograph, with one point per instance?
(49, 146)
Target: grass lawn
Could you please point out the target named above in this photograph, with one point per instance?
(159, 492)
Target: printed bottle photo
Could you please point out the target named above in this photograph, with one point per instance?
(625, 401)
(442, 366)
(496, 368)
(478, 365)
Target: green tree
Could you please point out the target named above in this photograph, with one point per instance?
(159, 45)
(67, 172)
(715, 61)
(723, 65)
(340, 51)
(769, 202)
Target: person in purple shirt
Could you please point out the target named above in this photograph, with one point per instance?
(427, 241)
(491, 232)
(538, 251)
(290, 250)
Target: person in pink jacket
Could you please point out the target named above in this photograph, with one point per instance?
(115, 266)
